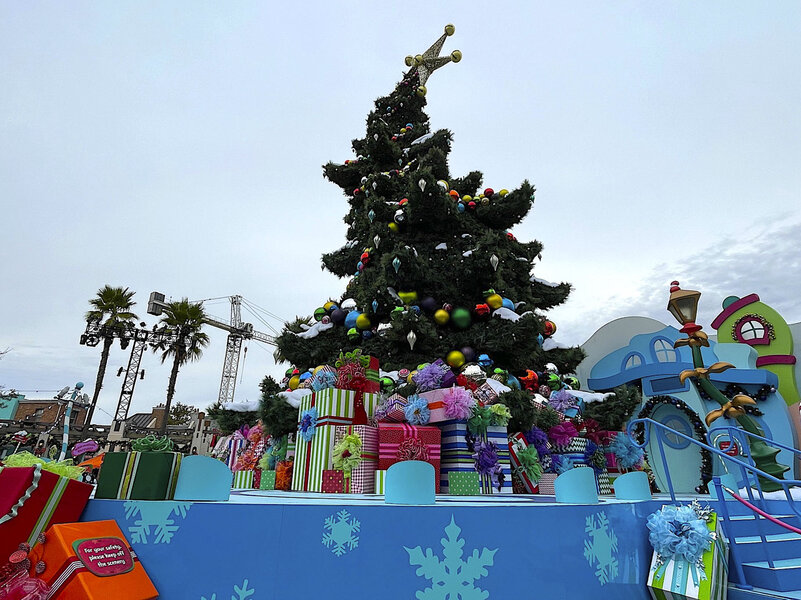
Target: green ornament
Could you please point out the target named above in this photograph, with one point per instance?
(319, 314)
(354, 335)
(461, 318)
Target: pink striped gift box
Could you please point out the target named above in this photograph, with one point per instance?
(362, 478)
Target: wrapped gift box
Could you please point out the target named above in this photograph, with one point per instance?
(380, 480)
(267, 481)
(283, 475)
(485, 394)
(235, 446)
(457, 454)
(362, 478)
(436, 403)
(138, 475)
(546, 484)
(675, 579)
(333, 481)
(399, 441)
(517, 442)
(38, 498)
(576, 446)
(92, 561)
(604, 483)
(464, 483)
(243, 480)
(392, 409)
(257, 479)
(334, 407)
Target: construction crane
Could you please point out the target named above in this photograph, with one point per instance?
(237, 332)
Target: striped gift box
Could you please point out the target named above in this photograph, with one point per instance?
(391, 409)
(243, 480)
(362, 478)
(380, 481)
(235, 448)
(679, 580)
(576, 446)
(139, 475)
(334, 407)
(456, 454)
(518, 442)
(392, 439)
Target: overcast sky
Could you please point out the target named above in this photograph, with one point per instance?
(177, 146)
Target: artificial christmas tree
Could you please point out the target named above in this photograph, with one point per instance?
(435, 272)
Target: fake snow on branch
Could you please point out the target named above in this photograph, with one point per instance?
(509, 314)
(312, 331)
(442, 246)
(543, 282)
(552, 344)
(591, 396)
(293, 397)
(423, 138)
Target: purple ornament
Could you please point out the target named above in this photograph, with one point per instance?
(429, 305)
(469, 354)
(338, 316)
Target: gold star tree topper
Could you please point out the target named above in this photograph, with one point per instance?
(430, 60)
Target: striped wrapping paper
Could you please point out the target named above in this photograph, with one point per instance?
(392, 435)
(243, 480)
(391, 409)
(456, 456)
(380, 481)
(142, 475)
(362, 478)
(679, 580)
(235, 446)
(577, 445)
(334, 407)
(518, 442)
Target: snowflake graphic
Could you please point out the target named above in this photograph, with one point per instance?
(157, 515)
(600, 547)
(452, 578)
(342, 528)
(240, 593)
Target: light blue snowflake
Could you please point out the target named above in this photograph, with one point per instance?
(342, 528)
(154, 514)
(452, 578)
(240, 593)
(600, 547)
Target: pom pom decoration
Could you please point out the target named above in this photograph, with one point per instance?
(348, 454)
(562, 463)
(487, 462)
(417, 412)
(500, 415)
(680, 533)
(429, 377)
(562, 401)
(562, 433)
(626, 453)
(479, 420)
(458, 403)
(537, 438)
(308, 422)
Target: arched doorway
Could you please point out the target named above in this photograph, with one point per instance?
(689, 464)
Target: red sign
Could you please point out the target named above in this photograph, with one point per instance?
(730, 448)
(105, 556)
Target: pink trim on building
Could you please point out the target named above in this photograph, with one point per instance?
(732, 308)
(775, 359)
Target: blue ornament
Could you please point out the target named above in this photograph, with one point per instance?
(396, 263)
(350, 320)
(360, 265)
(367, 334)
(484, 360)
(460, 207)
(305, 376)
(508, 304)
(409, 126)
(375, 305)
(540, 339)
(371, 215)
(512, 382)
(415, 308)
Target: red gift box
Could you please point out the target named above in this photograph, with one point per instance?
(31, 499)
(400, 441)
(518, 442)
(333, 481)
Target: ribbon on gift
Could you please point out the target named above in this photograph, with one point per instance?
(131, 467)
(479, 421)
(37, 475)
(562, 401)
(563, 433)
(412, 448)
(71, 568)
(354, 357)
(151, 443)
(680, 533)
(348, 454)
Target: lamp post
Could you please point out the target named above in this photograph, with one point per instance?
(683, 305)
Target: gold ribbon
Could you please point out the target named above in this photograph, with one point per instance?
(731, 410)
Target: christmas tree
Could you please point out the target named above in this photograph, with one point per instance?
(435, 271)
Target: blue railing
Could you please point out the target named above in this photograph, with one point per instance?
(750, 474)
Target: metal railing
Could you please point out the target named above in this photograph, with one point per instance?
(749, 473)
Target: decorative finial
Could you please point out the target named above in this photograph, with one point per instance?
(430, 60)
(674, 286)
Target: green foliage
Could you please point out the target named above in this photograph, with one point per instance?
(613, 413)
(112, 305)
(181, 414)
(545, 418)
(387, 171)
(185, 321)
(229, 420)
(523, 412)
(278, 418)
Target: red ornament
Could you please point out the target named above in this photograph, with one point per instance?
(403, 201)
(454, 194)
(510, 236)
(482, 309)
(489, 192)
(356, 192)
(447, 307)
(394, 138)
(549, 328)
(471, 205)
(365, 256)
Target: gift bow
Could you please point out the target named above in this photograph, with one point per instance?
(562, 433)
(412, 449)
(529, 463)
(351, 376)
(731, 410)
(354, 357)
(151, 443)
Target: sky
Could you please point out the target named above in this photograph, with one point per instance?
(177, 147)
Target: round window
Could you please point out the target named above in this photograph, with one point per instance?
(677, 424)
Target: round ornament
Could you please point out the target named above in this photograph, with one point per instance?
(400, 217)
(319, 314)
(367, 334)
(429, 304)
(325, 320)
(443, 184)
(338, 316)
(502, 193)
(508, 304)
(454, 194)
(494, 301)
(489, 192)
(455, 359)
(461, 318)
(460, 207)
(329, 306)
(350, 320)
(363, 322)
(469, 354)
(554, 382)
(467, 198)
(441, 317)
(294, 382)
(393, 227)
(549, 328)
(353, 334)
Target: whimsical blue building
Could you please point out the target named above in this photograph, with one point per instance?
(638, 351)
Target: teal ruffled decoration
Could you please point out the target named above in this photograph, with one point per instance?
(308, 422)
(681, 533)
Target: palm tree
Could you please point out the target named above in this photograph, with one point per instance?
(111, 309)
(184, 321)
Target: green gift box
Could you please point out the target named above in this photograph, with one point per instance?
(267, 480)
(138, 475)
(464, 483)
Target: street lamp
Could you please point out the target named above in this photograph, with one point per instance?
(683, 305)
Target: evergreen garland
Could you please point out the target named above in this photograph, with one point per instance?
(613, 413)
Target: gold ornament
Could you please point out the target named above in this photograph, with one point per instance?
(430, 60)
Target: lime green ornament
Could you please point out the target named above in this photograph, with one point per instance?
(320, 313)
(461, 318)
